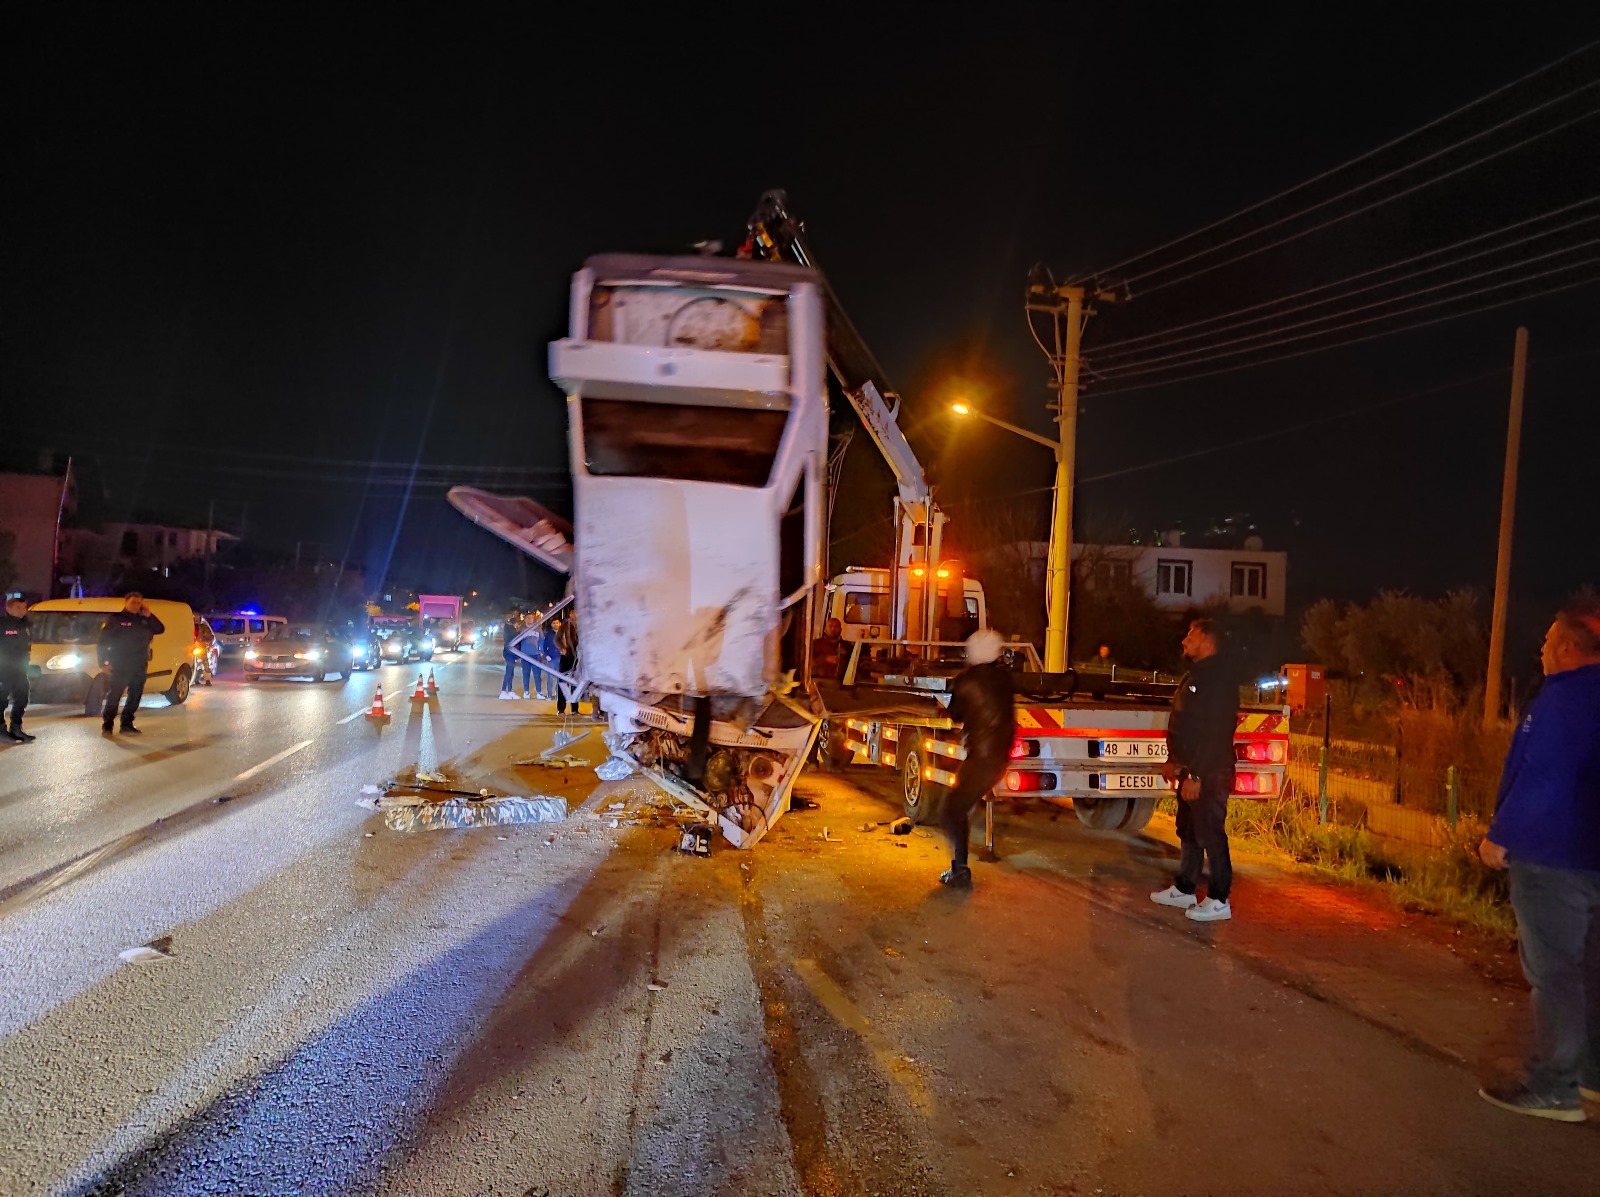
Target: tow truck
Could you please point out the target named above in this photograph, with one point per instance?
(1093, 743)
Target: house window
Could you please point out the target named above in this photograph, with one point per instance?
(130, 544)
(1249, 580)
(1111, 575)
(1174, 577)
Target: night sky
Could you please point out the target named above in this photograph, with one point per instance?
(271, 259)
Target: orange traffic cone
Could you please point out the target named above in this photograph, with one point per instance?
(418, 695)
(377, 714)
(433, 686)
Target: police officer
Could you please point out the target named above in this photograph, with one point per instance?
(125, 657)
(983, 702)
(15, 643)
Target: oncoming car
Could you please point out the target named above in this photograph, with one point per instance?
(298, 650)
(366, 650)
(400, 641)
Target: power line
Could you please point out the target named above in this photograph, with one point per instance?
(1115, 371)
(1167, 333)
(1258, 205)
(1340, 344)
(1378, 203)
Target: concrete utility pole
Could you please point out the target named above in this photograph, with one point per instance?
(1066, 306)
(1508, 511)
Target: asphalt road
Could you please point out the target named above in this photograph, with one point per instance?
(574, 1008)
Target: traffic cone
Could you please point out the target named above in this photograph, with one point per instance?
(433, 686)
(377, 714)
(419, 696)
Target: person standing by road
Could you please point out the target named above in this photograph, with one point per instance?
(982, 702)
(1205, 715)
(566, 632)
(124, 652)
(15, 645)
(1546, 831)
(510, 629)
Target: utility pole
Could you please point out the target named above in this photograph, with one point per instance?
(1066, 306)
(1508, 511)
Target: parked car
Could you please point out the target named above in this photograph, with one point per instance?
(401, 641)
(206, 651)
(239, 630)
(64, 664)
(310, 650)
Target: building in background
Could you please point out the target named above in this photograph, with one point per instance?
(33, 508)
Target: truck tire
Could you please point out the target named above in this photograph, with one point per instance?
(919, 795)
(1114, 814)
(832, 755)
(178, 692)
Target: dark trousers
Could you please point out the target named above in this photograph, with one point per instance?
(974, 780)
(1558, 935)
(14, 690)
(568, 660)
(1203, 832)
(131, 680)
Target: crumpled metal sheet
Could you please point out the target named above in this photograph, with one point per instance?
(480, 812)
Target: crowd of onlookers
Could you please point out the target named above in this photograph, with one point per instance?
(544, 647)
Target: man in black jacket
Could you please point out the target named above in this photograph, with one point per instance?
(983, 703)
(15, 645)
(1205, 715)
(125, 658)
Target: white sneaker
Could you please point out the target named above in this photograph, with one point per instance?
(1211, 911)
(1173, 896)
(504, 694)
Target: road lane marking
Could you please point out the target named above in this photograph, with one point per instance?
(835, 1001)
(352, 717)
(273, 760)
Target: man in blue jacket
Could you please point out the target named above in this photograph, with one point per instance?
(1546, 831)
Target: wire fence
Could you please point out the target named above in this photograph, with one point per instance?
(1365, 775)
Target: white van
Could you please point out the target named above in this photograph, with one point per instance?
(239, 630)
(66, 633)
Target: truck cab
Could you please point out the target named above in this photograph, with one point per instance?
(860, 598)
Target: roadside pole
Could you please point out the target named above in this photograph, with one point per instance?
(1508, 509)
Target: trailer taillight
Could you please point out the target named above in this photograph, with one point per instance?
(1260, 751)
(1255, 784)
(1023, 749)
(1019, 782)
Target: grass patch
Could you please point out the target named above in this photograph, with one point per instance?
(1450, 881)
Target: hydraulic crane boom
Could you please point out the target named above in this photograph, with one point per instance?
(777, 236)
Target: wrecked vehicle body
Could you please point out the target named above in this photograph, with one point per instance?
(698, 430)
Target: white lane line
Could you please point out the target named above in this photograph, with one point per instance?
(272, 760)
(353, 716)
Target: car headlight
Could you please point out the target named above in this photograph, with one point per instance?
(250, 654)
(390, 648)
(357, 652)
(311, 654)
(428, 643)
(64, 661)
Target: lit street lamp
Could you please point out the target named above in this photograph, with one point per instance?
(1058, 569)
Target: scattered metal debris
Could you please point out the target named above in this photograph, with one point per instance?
(901, 826)
(695, 839)
(614, 769)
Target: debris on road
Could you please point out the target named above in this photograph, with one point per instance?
(656, 986)
(425, 803)
(900, 826)
(695, 839)
(614, 769)
(149, 953)
(564, 761)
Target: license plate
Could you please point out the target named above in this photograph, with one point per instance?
(279, 664)
(1130, 781)
(1133, 750)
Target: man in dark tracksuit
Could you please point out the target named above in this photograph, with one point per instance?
(983, 703)
(1205, 715)
(15, 644)
(1546, 831)
(125, 656)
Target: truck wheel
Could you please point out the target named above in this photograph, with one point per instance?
(178, 692)
(1114, 814)
(918, 794)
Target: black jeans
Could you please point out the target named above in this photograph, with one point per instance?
(568, 660)
(14, 690)
(131, 680)
(1558, 936)
(974, 780)
(1203, 832)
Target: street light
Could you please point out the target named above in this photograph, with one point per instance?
(1058, 568)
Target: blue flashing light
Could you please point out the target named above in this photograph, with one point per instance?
(248, 611)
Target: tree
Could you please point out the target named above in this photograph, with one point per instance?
(1426, 652)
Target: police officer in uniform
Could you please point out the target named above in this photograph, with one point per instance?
(125, 657)
(15, 643)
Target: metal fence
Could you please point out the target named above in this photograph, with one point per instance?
(1356, 772)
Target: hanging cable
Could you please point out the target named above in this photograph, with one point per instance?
(1167, 333)
(1114, 371)
(1437, 121)
(1340, 344)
